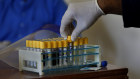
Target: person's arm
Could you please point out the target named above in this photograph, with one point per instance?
(111, 6)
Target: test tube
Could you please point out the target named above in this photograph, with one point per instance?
(48, 50)
(33, 63)
(75, 58)
(55, 54)
(60, 53)
(85, 52)
(42, 47)
(70, 48)
(78, 51)
(29, 63)
(81, 46)
(65, 46)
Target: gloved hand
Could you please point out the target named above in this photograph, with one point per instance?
(84, 13)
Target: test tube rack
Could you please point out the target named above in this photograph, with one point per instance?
(44, 61)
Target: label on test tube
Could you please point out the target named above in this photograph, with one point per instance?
(65, 45)
(49, 55)
(78, 52)
(55, 54)
(42, 47)
(34, 49)
(70, 48)
(70, 53)
(49, 61)
(30, 63)
(60, 53)
(85, 51)
(75, 58)
(81, 46)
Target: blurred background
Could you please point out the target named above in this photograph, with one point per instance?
(19, 18)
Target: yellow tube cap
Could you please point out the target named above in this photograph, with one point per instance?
(65, 43)
(54, 44)
(34, 44)
(42, 45)
(76, 43)
(85, 40)
(37, 44)
(59, 43)
(31, 43)
(27, 43)
(48, 43)
(81, 41)
(69, 39)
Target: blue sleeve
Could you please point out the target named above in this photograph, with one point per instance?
(59, 10)
(131, 13)
(59, 7)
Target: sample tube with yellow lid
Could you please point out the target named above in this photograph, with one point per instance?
(35, 49)
(85, 52)
(65, 46)
(42, 49)
(27, 63)
(81, 47)
(32, 48)
(70, 48)
(55, 54)
(75, 58)
(49, 54)
(60, 52)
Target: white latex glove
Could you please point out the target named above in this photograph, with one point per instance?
(84, 13)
